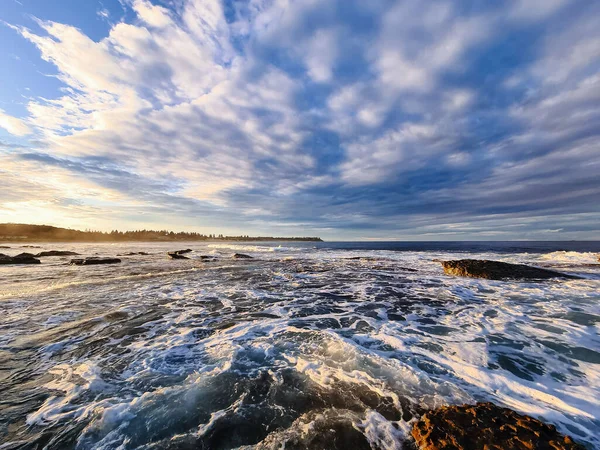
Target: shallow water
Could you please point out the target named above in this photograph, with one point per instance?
(303, 345)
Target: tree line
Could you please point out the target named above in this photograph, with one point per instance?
(25, 232)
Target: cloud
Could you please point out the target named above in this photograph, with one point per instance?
(340, 116)
(13, 125)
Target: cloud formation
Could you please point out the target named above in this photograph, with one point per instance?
(13, 125)
(340, 117)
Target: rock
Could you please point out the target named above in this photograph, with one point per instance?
(241, 256)
(57, 253)
(134, 254)
(496, 270)
(30, 246)
(208, 258)
(94, 261)
(486, 426)
(176, 255)
(4, 246)
(23, 258)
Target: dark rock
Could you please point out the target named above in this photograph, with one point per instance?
(181, 252)
(496, 270)
(57, 253)
(94, 261)
(176, 255)
(208, 258)
(4, 246)
(364, 258)
(30, 246)
(486, 426)
(241, 256)
(134, 254)
(23, 258)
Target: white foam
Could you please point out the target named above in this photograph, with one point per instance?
(412, 338)
(572, 257)
(256, 248)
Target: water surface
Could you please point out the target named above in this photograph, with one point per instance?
(304, 345)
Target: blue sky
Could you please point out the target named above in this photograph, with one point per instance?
(346, 119)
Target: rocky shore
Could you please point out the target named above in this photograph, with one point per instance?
(486, 426)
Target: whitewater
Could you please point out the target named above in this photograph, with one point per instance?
(307, 345)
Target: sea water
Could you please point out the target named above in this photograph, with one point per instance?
(307, 345)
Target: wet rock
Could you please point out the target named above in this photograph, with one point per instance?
(23, 258)
(364, 258)
(486, 426)
(134, 254)
(176, 255)
(208, 258)
(30, 246)
(241, 256)
(4, 246)
(496, 270)
(57, 253)
(94, 261)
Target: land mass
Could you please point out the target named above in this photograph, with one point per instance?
(18, 232)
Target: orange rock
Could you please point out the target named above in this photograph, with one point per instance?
(485, 426)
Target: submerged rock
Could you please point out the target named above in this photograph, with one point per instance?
(57, 253)
(496, 270)
(94, 261)
(4, 246)
(241, 256)
(134, 254)
(23, 258)
(486, 426)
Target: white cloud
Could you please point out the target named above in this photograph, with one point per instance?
(321, 55)
(153, 15)
(418, 42)
(384, 159)
(458, 99)
(535, 9)
(13, 125)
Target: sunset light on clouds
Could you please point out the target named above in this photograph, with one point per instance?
(339, 118)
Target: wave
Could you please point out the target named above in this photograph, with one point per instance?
(572, 257)
(104, 280)
(257, 248)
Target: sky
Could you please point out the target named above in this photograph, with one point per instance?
(345, 119)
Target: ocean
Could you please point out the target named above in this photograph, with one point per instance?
(307, 345)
